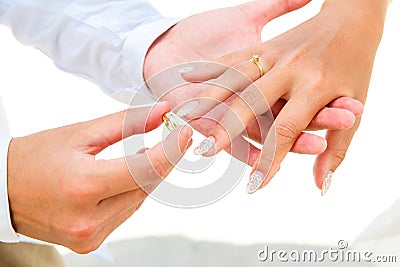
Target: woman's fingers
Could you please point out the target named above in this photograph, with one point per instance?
(232, 80)
(289, 124)
(253, 101)
(220, 89)
(243, 150)
(329, 161)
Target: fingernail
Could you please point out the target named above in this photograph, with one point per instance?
(190, 142)
(189, 132)
(185, 70)
(326, 183)
(188, 108)
(205, 146)
(255, 181)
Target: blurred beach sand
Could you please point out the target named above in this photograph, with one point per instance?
(175, 251)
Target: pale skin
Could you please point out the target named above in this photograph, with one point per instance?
(325, 58)
(212, 39)
(58, 191)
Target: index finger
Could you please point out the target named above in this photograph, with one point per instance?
(149, 168)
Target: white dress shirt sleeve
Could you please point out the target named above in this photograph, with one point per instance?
(101, 40)
(7, 233)
(104, 41)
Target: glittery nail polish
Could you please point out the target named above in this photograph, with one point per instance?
(255, 181)
(188, 108)
(326, 183)
(205, 146)
(185, 70)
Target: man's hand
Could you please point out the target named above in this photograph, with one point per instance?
(60, 193)
(311, 66)
(212, 34)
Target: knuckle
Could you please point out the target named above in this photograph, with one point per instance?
(286, 132)
(233, 73)
(85, 247)
(148, 189)
(157, 169)
(267, 160)
(249, 97)
(270, 163)
(81, 234)
(339, 154)
(317, 82)
(160, 168)
(82, 229)
(237, 76)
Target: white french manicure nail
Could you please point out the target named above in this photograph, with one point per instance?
(188, 108)
(255, 181)
(326, 183)
(205, 146)
(185, 70)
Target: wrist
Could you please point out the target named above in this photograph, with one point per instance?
(363, 17)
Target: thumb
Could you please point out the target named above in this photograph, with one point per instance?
(267, 10)
(105, 131)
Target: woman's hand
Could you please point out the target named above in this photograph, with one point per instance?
(209, 35)
(59, 192)
(328, 57)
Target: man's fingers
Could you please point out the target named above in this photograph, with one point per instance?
(309, 144)
(201, 71)
(329, 161)
(150, 167)
(332, 119)
(306, 143)
(204, 71)
(142, 120)
(339, 114)
(269, 10)
(94, 226)
(103, 132)
(353, 105)
(156, 163)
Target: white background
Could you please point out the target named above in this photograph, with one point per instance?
(38, 96)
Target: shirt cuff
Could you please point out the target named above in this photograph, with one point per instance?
(136, 46)
(7, 233)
